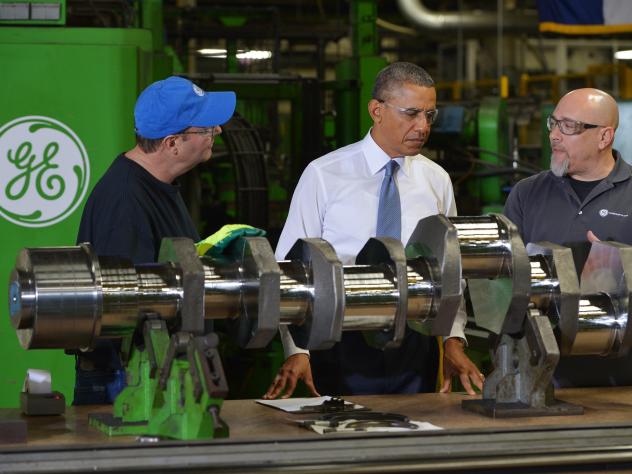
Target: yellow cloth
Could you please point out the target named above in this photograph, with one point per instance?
(215, 243)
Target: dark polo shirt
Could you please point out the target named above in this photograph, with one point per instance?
(545, 207)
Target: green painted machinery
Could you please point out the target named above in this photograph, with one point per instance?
(479, 132)
(357, 74)
(67, 98)
(175, 390)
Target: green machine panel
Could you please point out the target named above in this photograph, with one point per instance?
(67, 98)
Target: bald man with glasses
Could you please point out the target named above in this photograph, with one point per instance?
(379, 186)
(585, 196)
(587, 193)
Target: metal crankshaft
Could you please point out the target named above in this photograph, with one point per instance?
(67, 297)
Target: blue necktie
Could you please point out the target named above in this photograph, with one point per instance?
(389, 211)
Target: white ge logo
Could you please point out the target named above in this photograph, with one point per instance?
(197, 90)
(44, 171)
(603, 212)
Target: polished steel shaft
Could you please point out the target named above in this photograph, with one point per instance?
(68, 298)
(484, 249)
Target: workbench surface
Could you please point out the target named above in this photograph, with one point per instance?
(262, 436)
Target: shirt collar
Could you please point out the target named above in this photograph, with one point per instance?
(376, 158)
(621, 170)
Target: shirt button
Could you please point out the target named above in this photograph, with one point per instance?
(580, 212)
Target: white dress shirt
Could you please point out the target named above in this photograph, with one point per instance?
(337, 199)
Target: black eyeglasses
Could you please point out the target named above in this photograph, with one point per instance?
(568, 126)
(413, 113)
(212, 131)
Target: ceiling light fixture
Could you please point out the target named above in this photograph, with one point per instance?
(627, 54)
(252, 55)
(212, 53)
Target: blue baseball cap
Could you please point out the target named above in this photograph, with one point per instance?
(174, 104)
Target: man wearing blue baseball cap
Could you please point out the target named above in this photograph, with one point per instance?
(137, 201)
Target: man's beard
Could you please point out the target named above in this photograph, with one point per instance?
(559, 169)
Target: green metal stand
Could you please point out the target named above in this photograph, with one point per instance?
(176, 388)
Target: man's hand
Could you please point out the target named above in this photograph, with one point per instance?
(592, 238)
(455, 362)
(294, 368)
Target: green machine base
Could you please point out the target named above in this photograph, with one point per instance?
(176, 386)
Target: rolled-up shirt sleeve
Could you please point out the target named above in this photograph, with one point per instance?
(304, 220)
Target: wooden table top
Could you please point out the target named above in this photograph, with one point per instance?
(249, 420)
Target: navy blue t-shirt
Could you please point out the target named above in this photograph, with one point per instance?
(129, 212)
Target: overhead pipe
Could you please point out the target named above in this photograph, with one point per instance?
(422, 17)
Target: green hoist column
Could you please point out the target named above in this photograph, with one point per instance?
(234, 21)
(357, 74)
(493, 131)
(152, 19)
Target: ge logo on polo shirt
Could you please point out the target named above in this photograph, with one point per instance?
(603, 212)
(44, 171)
(197, 90)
